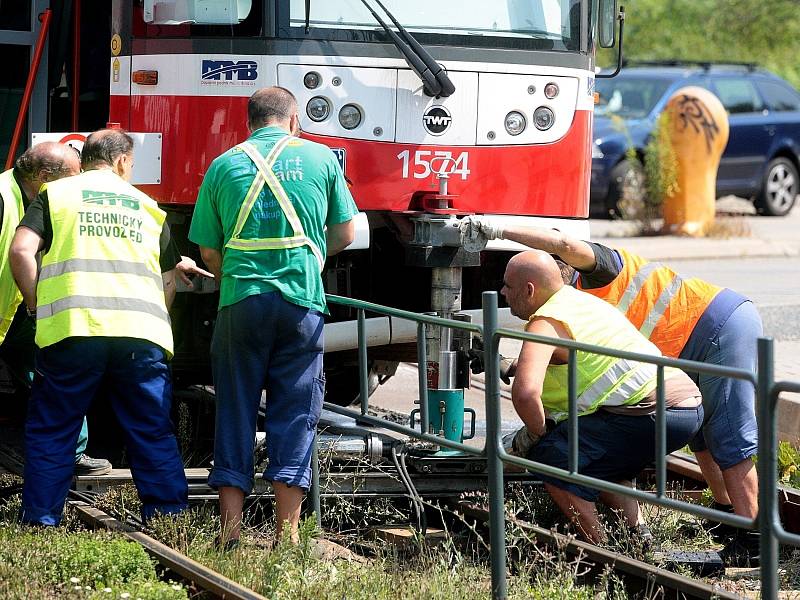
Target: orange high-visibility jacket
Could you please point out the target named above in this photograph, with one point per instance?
(664, 306)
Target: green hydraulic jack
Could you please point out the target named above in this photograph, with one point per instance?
(448, 365)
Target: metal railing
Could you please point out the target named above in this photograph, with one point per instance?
(767, 392)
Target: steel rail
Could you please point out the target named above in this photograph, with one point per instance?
(189, 569)
(649, 574)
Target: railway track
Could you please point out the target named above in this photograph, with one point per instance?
(190, 570)
(639, 575)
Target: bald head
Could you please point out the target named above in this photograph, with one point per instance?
(531, 278)
(271, 106)
(46, 162)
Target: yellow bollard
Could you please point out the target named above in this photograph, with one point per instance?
(699, 133)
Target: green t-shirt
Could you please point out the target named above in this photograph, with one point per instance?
(315, 184)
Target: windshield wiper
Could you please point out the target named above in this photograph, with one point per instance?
(435, 80)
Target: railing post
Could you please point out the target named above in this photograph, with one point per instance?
(767, 470)
(315, 491)
(422, 364)
(363, 369)
(572, 403)
(497, 523)
(661, 433)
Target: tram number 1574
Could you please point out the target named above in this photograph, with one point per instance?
(426, 162)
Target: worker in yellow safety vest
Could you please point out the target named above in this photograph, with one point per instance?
(101, 318)
(616, 397)
(38, 165)
(688, 318)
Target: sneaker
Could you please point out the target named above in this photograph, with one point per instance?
(743, 551)
(86, 465)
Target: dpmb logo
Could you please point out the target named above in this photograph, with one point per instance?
(229, 72)
(436, 120)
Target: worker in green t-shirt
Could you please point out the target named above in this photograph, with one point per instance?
(268, 213)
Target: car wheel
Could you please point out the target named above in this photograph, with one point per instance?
(627, 183)
(779, 189)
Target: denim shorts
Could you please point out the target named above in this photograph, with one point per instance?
(261, 342)
(613, 447)
(730, 431)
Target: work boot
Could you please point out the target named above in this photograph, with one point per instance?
(743, 550)
(86, 465)
(721, 533)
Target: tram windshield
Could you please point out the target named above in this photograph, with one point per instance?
(557, 21)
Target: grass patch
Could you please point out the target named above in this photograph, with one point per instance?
(53, 562)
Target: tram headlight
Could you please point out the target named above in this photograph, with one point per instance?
(318, 109)
(515, 123)
(551, 91)
(312, 80)
(543, 118)
(350, 116)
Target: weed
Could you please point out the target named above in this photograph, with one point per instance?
(789, 464)
(50, 562)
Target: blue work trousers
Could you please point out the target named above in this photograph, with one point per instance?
(136, 380)
(265, 341)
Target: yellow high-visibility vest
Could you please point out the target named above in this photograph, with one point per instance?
(265, 176)
(13, 209)
(101, 275)
(602, 380)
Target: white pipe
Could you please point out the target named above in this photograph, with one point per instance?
(382, 331)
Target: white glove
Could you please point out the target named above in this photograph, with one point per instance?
(490, 229)
(476, 231)
(520, 442)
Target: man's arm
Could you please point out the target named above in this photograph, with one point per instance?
(572, 251)
(213, 260)
(22, 259)
(339, 237)
(526, 391)
(168, 279)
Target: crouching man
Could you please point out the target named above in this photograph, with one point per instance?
(616, 397)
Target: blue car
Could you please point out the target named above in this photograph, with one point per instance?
(761, 159)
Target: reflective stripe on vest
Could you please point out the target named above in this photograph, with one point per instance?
(660, 306)
(13, 209)
(101, 303)
(635, 286)
(265, 175)
(97, 265)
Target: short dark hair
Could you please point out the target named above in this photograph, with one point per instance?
(268, 105)
(105, 146)
(45, 162)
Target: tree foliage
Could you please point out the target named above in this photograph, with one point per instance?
(765, 32)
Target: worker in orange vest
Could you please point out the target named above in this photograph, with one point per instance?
(685, 318)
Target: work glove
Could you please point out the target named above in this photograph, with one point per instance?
(477, 227)
(520, 442)
(490, 229)
(477, 366)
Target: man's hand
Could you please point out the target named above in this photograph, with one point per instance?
(520, 442)
(490, 229)
(477, 366)
(188, 267)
